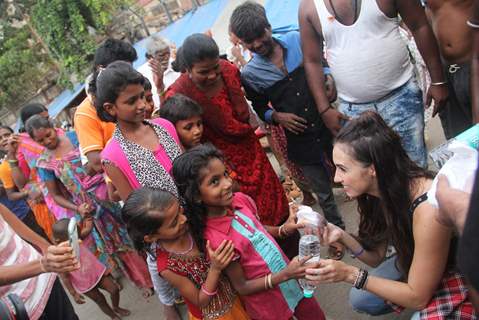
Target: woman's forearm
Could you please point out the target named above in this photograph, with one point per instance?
(15, 273)
(371, 258)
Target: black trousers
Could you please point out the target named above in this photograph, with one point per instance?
(58, 306)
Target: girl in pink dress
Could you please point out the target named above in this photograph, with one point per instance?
(90, 277)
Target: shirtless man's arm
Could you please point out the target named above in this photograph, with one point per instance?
(312, 45)
(415, 19)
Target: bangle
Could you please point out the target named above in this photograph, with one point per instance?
(266, 282)
(361, 279)
(13, 163)
(270, 281)
(280, 231)
(440, 83)
(472, 24)
(355, 254)
(208, 293)
(324, 111)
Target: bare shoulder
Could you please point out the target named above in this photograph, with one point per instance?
(425, 222)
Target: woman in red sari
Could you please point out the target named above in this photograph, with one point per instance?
(215, 84)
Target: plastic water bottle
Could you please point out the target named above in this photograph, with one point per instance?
(308, 246)
(313, 222)
(442, 153)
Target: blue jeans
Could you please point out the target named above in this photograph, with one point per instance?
(403, 111)
(366, 302)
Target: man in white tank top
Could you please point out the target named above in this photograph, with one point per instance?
(370, 63)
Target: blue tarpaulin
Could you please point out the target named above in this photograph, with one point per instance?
(199, 20)
(60, 102)
(283, 17)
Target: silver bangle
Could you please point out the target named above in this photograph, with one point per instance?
(472, 25)
(440, 83)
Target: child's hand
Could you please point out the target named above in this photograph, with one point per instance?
(296, 269)
(78, 298)
(222, 256)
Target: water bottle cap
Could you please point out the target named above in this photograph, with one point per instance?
(308, 294)
(306, 215)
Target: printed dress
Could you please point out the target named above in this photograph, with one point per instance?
(109, 240)
(225, 305)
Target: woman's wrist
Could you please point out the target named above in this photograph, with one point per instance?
(351, 274)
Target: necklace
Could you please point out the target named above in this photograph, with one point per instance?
(181, 252)
(335, 14)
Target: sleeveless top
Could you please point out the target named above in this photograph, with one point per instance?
(34, 291)
(368, 59)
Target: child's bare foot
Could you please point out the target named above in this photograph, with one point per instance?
(122, 312)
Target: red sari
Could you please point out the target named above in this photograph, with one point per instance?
(225, 118)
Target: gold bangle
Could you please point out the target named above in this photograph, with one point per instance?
(266, 282)
(270, 281)
(280, 233)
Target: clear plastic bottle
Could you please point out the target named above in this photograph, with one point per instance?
(442, 153)
(309, 246)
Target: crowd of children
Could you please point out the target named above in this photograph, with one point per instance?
(171, 188)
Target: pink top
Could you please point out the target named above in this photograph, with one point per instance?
(90, 273)
(114, 154)
(259, 254)
(34, 291)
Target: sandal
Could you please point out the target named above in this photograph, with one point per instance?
(336, 251)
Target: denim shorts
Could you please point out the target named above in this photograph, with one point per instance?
(403, 111)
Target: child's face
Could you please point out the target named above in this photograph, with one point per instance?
(190, 131)
(130, 105)
(173, 226)
(216, 185)
(149, 104)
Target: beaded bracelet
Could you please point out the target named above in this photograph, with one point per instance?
(208, 293)
(361, 279)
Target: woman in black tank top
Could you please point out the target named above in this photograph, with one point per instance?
(391, 191)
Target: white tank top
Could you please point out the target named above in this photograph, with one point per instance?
(368, 59)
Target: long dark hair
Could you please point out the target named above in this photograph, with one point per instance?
(370, 141)
(187, 175)
(110, 82)
(136, 213)
(196, 48)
